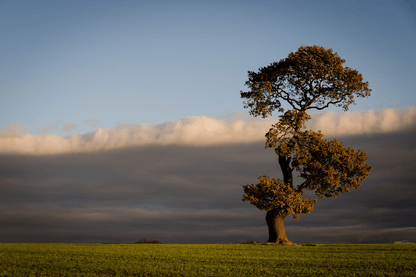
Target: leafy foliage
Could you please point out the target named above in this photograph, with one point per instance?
(328, 167)
(273, 194)
(311, 78)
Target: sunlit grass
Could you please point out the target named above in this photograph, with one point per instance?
(30, 259)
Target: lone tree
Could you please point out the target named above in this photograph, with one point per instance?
(311, 78)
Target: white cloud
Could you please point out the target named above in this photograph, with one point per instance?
(12, 131)
(357, 123)
(201, 131)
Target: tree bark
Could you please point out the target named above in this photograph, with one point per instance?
(276, 225)
(284, 163)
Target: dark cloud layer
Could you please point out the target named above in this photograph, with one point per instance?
(188, 194)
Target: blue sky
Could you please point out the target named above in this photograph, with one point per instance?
(122, 120)
(94, 64)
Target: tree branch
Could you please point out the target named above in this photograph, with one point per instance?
(326, 106)
(302, 186)
(287, 98)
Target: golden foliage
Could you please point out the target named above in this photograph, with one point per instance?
(328, 167)
(311, 78)
(273, 194)
(282, 132)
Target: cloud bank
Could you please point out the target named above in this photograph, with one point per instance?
(180, 182)
(200, 131)
(359, 123)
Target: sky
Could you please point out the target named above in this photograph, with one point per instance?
(122, 120)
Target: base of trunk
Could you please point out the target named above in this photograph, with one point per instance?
(276, 226)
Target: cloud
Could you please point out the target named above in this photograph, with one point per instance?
(195, 131)
(358, 123)
(201, 131)
(92, 122)
(69, 126)
(140, 179)
(12, 131)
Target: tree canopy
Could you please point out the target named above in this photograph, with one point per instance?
(327, 167)
(311, 78)
(273, 194)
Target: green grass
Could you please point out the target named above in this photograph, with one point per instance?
(43, 259)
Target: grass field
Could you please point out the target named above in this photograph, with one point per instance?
(53, 259)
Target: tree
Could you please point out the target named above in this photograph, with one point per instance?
(311, 78)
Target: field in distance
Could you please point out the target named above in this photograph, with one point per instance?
(95, 259)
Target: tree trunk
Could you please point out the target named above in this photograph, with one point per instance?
(284, 163)
(276, 224)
